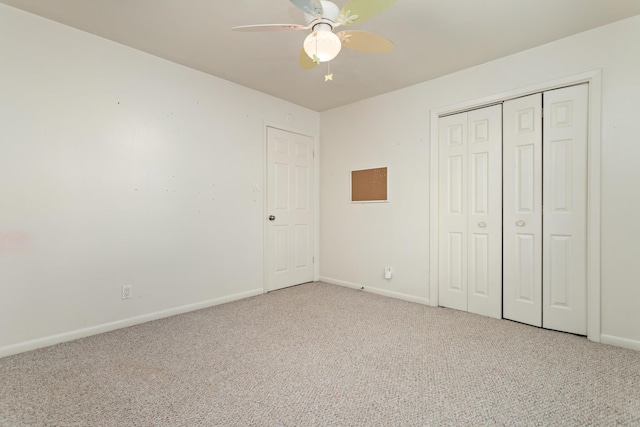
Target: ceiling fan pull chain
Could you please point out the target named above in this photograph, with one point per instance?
(329, 75)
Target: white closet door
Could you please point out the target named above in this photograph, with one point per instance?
(484, 221)
(522, 175)
(470, 238)
(452, 268)
(565, 203)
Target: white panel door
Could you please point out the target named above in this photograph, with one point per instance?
(452, 268)
(290, 210)
(470, 232)
(522, 217)
(484, 219)
(564, 286)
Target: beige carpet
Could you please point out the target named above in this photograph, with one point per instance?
(322, 355)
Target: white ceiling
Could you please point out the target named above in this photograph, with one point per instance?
(432, 38)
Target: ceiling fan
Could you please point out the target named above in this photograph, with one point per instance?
(322, 17)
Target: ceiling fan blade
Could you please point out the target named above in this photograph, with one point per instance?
(356, 11)
(312, 7)
(269, 27)
(365, 42)
(306, 62)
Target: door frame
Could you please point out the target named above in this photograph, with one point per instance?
(316, 188)
(594, 79)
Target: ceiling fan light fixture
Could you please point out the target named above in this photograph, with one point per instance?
(323, 44)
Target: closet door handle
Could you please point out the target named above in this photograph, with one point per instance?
(520, 223)
(482, 225)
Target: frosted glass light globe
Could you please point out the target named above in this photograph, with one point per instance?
(324, 44)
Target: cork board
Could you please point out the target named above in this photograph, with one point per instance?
(369, 185)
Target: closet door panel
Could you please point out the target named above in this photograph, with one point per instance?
(565, 204)
(452, 268)
(522, 216)
(484, 221)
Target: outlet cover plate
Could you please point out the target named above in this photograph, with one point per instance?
(126, 292)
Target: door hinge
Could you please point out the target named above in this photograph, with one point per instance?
(313, 260)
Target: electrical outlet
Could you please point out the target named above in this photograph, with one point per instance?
(126, 292)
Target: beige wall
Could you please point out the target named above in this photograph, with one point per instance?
(117, 167)
(357, 241)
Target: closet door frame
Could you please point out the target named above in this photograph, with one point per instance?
(594, 79)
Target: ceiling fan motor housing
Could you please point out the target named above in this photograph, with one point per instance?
(330, 12)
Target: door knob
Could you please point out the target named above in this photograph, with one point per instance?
(482, 225)
(520, 223)
(272, 218)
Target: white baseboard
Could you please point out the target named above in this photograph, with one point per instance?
(620, 342)
(119, 324)
(378, 291)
